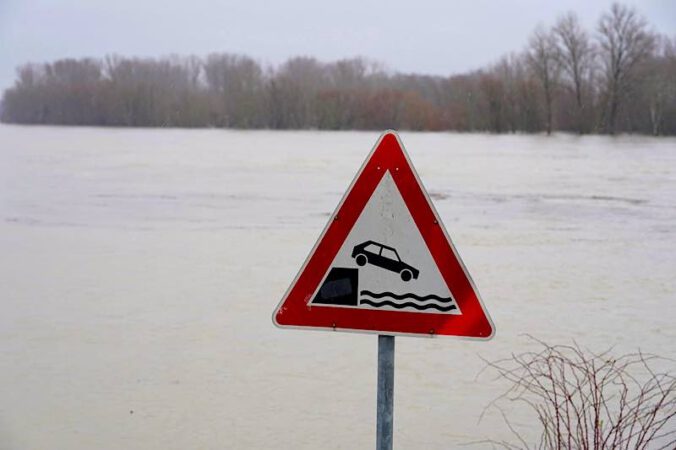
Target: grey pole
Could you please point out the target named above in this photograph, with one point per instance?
(385, 392)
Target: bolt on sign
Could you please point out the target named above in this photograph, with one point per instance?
(384, 263)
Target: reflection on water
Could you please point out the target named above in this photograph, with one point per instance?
(139, 270)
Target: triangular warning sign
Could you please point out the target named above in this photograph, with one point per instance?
(384, 263)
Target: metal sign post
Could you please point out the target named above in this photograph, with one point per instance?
(385, 407)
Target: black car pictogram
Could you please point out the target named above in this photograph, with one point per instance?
(384, 257)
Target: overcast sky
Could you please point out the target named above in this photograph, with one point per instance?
(436, 37)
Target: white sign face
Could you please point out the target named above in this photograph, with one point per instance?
(384, 262)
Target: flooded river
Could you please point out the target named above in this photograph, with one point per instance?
(139, 270)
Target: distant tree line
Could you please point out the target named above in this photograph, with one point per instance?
(620, 78)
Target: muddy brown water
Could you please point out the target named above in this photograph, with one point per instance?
(139, 270)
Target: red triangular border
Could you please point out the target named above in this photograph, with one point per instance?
(294, 309)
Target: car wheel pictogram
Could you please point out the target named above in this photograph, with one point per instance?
(361, 260)
(406, 275)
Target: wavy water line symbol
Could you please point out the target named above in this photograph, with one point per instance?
(409, 300)
(423, 307)
(407, 296)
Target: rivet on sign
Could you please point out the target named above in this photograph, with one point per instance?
(432, 332)
(435, 221)
(378, 168)
(334, 325)
(335, 217)
(396, 169)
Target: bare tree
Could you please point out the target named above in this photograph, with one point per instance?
(492, 89)
(237, 83)
(577, 59)
(293, 91)
(561, 81)
(658, 83)
(544, 61)
(590, 401)
(624, 42)
(337, 102)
